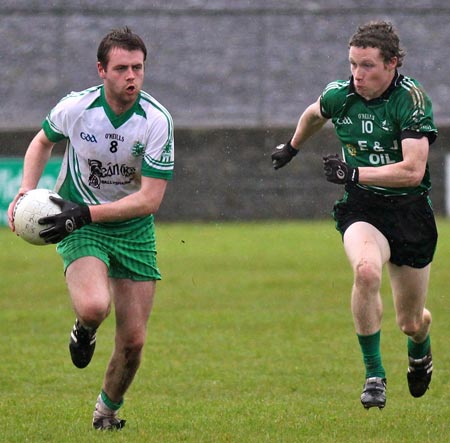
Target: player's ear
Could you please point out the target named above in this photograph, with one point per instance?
(101, 70)
(392, 64)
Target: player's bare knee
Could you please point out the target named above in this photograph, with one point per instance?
(410, 327)
(367, 275)
(92, 313)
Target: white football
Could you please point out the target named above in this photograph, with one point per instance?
(32, 206)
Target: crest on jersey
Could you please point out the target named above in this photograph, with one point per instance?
(166, 156)
(351, 149)
(137, 149)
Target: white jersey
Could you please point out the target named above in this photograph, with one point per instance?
(106, 154)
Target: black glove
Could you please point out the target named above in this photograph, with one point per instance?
(72, 217)
(337, 171)
(283, 154)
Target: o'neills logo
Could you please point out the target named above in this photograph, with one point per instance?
(118, 137)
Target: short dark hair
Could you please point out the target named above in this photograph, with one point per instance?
(119, 38)
(381, 35)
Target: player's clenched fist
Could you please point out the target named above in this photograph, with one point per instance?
(72, 217)
(283, 154)
(339, 172)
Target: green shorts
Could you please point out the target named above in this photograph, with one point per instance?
(128, 249)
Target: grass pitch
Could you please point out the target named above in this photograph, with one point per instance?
(250, 340)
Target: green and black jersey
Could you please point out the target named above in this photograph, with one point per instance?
(371, 131)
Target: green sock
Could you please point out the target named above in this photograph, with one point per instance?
(370, 347)
(418, 350)
(109, 403)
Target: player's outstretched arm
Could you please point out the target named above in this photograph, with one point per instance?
(310, 122)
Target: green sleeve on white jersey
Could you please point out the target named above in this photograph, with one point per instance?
(158, 160)
(51, 131)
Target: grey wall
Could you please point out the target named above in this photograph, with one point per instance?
(216, 63)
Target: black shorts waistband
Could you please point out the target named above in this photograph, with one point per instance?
(367, 196)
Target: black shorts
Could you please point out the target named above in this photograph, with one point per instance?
(406, 221)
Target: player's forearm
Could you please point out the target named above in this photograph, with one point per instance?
(398, 175)
(135, 205)
(121, 210)
(309, 123)
(36, 157)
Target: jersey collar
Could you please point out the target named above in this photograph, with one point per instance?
(118, 120)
